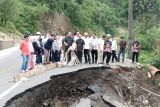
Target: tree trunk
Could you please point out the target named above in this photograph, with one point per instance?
(130, 27)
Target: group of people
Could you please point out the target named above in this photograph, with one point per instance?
(55, 48)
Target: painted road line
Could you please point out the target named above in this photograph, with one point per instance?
(10, 89)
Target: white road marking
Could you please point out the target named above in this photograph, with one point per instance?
(10, 89)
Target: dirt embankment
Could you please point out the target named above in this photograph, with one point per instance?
(56, 23)
(116, 86)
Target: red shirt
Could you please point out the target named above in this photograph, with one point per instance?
(24, 47)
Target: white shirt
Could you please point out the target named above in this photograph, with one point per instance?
(31, 49)
(94, 44)
(44, 40)
(87, 43)
(76, 37)
(101, 44)
(114, 44)
(56, 45)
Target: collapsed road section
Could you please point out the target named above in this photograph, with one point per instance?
(92, 87)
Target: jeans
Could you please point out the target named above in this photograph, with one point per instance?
(135, 55)
(38, 59)
(121, 51)
(25, 62)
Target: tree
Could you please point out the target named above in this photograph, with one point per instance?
(130, 27)
(7, 11)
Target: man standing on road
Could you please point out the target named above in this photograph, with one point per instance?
(135, 50)
(122, 45)
(80, 46)
(107, 49)
(94, 46)
(68, 41)
(47, 49)
(114, 48)
(24, 47)
(101, 48)
(87, 47)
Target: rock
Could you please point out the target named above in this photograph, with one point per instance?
(145, 102)
(58, 104)
(95, 88)
(112, 101)
(84, 103)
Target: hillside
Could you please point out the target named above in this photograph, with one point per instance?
(100, 16)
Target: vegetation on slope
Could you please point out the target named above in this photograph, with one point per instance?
(89, 15)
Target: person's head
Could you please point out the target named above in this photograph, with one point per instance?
(135, 39)
(103, 37)
(113, 37)
(53, 36)
(80, 36)
(65, 34)
(69, 34)
(85, 34)
(77, 33)
(94, 35)
(26, 37)
(108, 36)
(38, 34)
(122, 37)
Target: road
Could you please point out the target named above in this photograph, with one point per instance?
(11, 65)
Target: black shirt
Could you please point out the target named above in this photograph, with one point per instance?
(69, 41)
(80, 43)
(48, 44)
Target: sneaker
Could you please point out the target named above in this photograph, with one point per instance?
(23, 71)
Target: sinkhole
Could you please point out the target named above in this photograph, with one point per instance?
(89, 87)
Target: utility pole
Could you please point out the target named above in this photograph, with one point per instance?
(130, 27)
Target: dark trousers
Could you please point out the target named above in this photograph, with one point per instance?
(87, 55)
(38, 58)
(94, 56)
(108, 54)
(121, 51)
(114, 56)
(135, 55)
(79, 55)
(55, 56)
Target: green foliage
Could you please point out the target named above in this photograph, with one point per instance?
(89, 15)
(7, 11)
(29, 17)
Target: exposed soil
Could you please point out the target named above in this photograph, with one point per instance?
(102, 87)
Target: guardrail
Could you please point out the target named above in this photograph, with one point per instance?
(6, 44)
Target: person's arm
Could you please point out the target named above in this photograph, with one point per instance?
(104, 45)
(21, 45)
(65, 43)
(116, 45)
(99, 44)
(83, 45)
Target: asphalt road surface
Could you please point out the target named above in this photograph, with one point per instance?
(11, 65)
